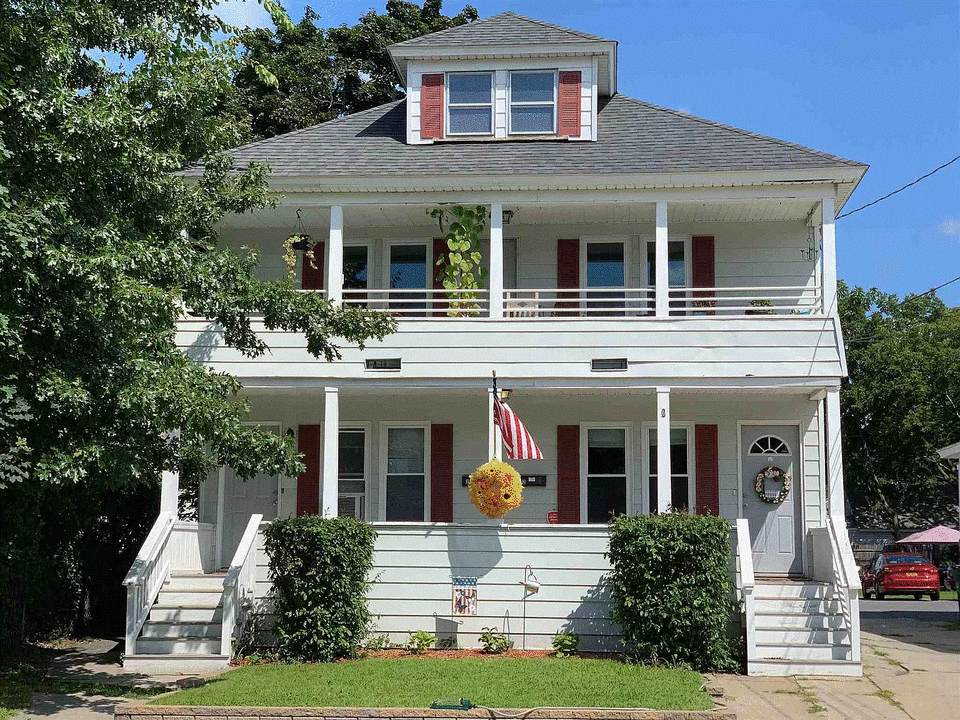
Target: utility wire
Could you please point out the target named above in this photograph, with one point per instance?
(922, 177)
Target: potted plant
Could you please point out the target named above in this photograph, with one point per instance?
(765, 307)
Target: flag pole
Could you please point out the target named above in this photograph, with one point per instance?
(496, 441)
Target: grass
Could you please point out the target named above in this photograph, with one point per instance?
(22, 674)
(808, 696)
(493, 682)
(948, 594)
(951, 625)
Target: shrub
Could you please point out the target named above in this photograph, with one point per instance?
(566, 644)
(672, 593)
(420, 641)
(319, 571)
(494, 642)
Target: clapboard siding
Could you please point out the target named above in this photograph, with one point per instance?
(772, 347)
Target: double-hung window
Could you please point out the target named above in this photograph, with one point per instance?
(470, 103)
(533, 103)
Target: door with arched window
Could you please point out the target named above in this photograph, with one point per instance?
(775, 521)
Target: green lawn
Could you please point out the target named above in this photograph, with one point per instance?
(414, 682)
(22, 674)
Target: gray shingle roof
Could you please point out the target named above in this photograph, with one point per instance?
(634, 137)
(504, 29)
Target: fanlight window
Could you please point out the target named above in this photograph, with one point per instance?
(769, 445)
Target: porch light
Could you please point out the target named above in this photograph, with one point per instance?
(505, 395)
(507, 216)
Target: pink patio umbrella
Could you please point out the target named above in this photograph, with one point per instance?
(939, 535)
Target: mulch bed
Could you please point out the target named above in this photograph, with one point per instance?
(477, 653)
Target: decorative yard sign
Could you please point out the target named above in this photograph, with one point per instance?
(464, 596)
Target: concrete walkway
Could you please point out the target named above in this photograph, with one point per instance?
(911, 671)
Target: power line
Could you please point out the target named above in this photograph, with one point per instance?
(922, 177)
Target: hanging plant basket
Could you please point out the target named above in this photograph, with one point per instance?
(772, 474)
(495, 489)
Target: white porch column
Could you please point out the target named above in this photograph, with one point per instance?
(496, 260)
(664, 484)
(835, 497)
(170, 483)
(662, 255)
(829, 256)
(334, 266)
(329, 479)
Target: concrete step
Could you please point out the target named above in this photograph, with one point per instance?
(803, 651)
(172, 630)
(807, 590)
(185, 583)
(784, 668)
(175, 664)
(183, 645)
(771, 635)
(192, 598)
(773, 604)
(812, 621)
(185, 614)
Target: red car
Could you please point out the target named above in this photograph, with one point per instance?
(900, 574)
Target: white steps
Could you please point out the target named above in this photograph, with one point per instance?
(183, 629)
(799, 629)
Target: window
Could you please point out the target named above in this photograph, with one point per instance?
(678, 274)
(470, 103)
(407, 271)
(605, 266)
(681, 489)
(355, 267)
(406, 474)
(606, 473)
(769, 445)
(352, 472)
(533, 102)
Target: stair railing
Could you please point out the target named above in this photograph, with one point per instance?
(846, 582)
(746, 583)
(238, 585)
(149, 571)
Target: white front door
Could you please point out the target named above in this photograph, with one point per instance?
(257, 496)
(775, 528)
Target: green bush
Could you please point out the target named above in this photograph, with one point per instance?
(419, 642)
(672, 593)
(566, 644)
(493, 642)
(319, 571)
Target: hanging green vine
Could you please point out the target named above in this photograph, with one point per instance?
(460, 271)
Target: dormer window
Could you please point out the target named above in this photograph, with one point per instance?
(533, 98)
(470, 103)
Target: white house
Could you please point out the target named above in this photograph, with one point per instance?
(661, 302)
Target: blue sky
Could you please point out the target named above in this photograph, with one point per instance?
(877, 82)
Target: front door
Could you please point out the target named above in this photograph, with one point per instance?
(775, 527)
(257, 496)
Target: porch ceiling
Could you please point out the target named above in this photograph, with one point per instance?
(317, 219)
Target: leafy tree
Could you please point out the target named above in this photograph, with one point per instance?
(102, 244)
(900, 403)
(325, 73)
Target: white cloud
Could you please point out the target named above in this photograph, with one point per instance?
(950, 226)
(243, 13)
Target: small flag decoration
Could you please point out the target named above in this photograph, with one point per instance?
(518, 443)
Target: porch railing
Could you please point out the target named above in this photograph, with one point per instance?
(746, 583)
(149, 571)
(423, 303)
(238, 585)
(780, 300)
(846, 582)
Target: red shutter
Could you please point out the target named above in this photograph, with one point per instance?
(308, 482)
(707, 450)
(312, 277)
(568, 103)
(441, 473)
(568, 272)
(568, 473)
(431, 106)
(703, 272)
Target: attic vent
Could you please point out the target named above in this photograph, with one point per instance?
(607, 364)
(382, 363)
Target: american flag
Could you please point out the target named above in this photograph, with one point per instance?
(518, 443)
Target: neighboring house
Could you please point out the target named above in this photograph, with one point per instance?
(661, 301)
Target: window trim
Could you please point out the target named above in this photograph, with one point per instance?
(447, 105)
(623, 240)
(523, 103)
(385, 265)
(687, 241)
(382, 474)
(365, 428)
(628, 441)
(371, 260)
(646, 428)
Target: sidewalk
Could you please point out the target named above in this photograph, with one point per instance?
(910, 672)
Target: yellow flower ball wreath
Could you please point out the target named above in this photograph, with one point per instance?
(495, 488)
